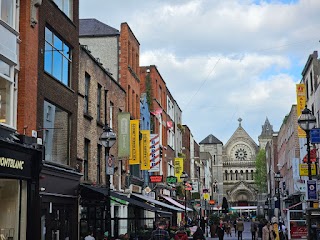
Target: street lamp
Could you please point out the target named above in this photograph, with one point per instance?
(307, 122)
(277, 178)
(108, 139)
(184, 176)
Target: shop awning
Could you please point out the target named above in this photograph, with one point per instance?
(174, 202)
(292, 206)
(156, 202)
(88, 190)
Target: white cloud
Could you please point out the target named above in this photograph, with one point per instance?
(220, 59)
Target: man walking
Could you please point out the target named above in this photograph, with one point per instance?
(254, 229)
(240, 228)
(160, 233)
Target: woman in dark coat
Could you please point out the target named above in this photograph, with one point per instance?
(198, 234)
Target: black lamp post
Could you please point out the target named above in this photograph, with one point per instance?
(277, 178)
(184, 176)
(108, 139)
(307, 122)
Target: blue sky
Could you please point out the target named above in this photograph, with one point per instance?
(221, 59)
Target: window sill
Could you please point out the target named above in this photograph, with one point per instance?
(87, 116)
(100, 124)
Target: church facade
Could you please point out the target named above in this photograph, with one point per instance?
(234, 165)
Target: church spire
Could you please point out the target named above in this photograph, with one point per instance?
(240, 120)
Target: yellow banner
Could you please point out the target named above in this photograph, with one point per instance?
(134, 142)
(178, 168)
(145, 150)
(303, 167)
(301, 103)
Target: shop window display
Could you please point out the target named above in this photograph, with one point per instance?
(13, 199)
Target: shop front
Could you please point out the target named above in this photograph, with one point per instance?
(19, 191)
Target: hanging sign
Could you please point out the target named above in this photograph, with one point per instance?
(312, 189)
(156, 178)
(154, 153)
(145, 150)
(109, 165)
(134, 142)
(171, 179)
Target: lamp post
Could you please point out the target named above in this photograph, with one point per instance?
(184, 176)
(277, 178)
(307, 122)
(108, 139)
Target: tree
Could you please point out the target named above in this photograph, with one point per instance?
(260, 176)
(225, 205)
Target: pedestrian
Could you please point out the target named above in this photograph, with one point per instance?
(220, 230)
(160, 233)
(228, 228)
(181, 234)
(235, 226)
(198, 234)
(253, 229)
(267, 232)
(90, 236)
(260, 226)
(240, 228)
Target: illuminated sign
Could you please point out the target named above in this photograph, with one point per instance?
(156, 178)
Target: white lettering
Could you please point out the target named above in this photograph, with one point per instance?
(11, 163)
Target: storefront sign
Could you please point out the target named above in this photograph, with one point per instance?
(312, 189)
(145, 149)
(15, 164)
(156, 178)
(171, 179)
(299, 232)
(178, 168)
(303, 169)
(134, 143)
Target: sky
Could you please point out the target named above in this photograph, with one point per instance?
(222, 59)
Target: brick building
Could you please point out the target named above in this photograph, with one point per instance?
(57, 115)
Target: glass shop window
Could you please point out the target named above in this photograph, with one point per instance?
(13, 199)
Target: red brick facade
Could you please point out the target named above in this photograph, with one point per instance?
(28, 75)
(129, 69)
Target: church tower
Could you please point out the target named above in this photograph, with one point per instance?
(266, 134)
(239, 155)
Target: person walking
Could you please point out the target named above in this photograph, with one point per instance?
(181, 234)
(160, 233)
(235, 226)
(198, 234)
(267, 232)
(220, 230)
(253, 229)
(240, 228)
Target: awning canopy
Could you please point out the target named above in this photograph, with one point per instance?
(87, 189)
(156, 202)
(292, 206)
(174, 202)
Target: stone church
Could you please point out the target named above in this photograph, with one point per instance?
(233, 165)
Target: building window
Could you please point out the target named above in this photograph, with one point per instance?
(65, 6)
(86, 160)
(86, 93)
(99, 103)
(311, 81)
(57, 134)
(13, 207)
(111, 114)
(57, 57)
(6, 11)
(6, 93)
(99, 152)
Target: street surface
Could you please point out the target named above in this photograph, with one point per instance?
(246, 235)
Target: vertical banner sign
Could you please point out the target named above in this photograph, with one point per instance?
(134, 142)
(109, 165)
(123, 134)
(301, 103)
(154, 153)
(312, 189)
(145, 150)
(178, 167)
